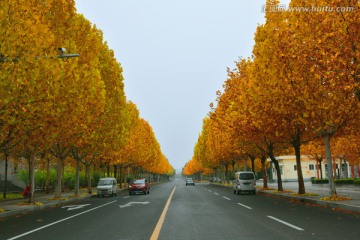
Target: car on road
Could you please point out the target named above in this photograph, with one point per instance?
(106, 186)
(244, 182)
(215, 180)
(139, 186)
(190, 181)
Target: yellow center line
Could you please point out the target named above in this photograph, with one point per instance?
(156, 233)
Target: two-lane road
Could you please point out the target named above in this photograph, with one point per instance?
(203, 211)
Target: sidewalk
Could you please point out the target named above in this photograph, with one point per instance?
(320, 190)
(40, 201)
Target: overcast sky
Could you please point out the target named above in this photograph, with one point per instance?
(174, 54)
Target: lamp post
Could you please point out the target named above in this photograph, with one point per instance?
(4, 59)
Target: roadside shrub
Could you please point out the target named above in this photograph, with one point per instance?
(345, 181)
(357, 181)
(319, 181)
(69, 178)
(337, 181)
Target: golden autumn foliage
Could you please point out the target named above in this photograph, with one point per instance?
(53, 104)
(301, 84)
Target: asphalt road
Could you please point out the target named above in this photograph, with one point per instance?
(203, 211)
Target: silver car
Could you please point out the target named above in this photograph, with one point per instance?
(244, 182)
(190, 181)
(107, 186)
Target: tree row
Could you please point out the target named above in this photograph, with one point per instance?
(298, 94)
(52, 104)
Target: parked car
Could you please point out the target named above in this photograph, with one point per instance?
(189, 181)
(107, 186)
(244, 182)
(139, 186)
(215, 179)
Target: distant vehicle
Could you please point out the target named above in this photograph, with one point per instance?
(107, 186)
(215, 179)
(244, 182)
(190, 181)
(139, 186)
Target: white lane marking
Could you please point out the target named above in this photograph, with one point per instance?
(126, 197)
(244, 206)
(62, 220)
(133, 203)
(209, 191)
(286, 223)
(216, 194)
(226, 198)
(74, 207)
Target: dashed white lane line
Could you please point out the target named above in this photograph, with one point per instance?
(286, 223)
(244, 206)
(209, 191)
(216, 193)
(226, 198)
(127, 197)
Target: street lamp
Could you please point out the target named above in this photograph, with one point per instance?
(62, 55)
(65, 56)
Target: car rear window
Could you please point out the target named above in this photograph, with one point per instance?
(246, 176)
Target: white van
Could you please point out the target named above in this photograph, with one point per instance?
(107, 186)
(244, 182)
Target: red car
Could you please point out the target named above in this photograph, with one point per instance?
(139, 186)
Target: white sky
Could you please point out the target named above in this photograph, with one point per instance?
(174, 54)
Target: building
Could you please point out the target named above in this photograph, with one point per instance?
(12, 176)
(310, 169)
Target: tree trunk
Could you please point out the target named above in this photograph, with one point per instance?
(317, 169)
(301, 185)
(6, 173)
(108, 169)
(60, 152)
(47, 180)
(77, 178)
(321, 169)
(88, 176)
(252, 158)
(329, 165)
(339, 168)
(59, 174)
(263, 170)
(120, 176)
(115, 170)
(227, 173)
(278, 172)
